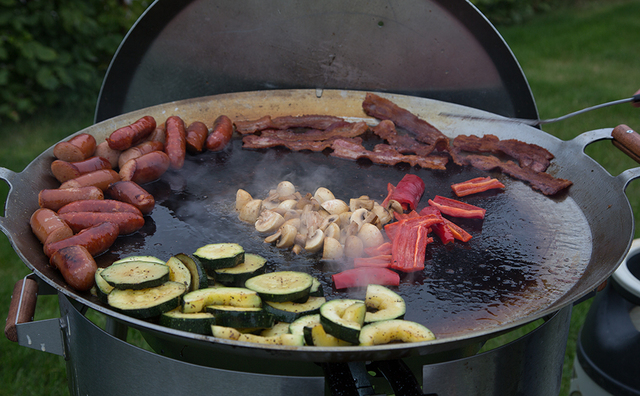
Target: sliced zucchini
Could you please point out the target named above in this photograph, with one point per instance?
(220, 255)
(151, 259)
(228, 333)
(236, 276)
(316, 289)
(297, 326)
(199, 278)
(281, 286)
(197, 322)
(316, 336)
(386, 331)
(197, 300)
(276, 329)
(241, 317)
(282, 339)
(289, 311)
(178, 272)
(103, 289)
(343, 318)
(383, 304)
(147, 303)
(136, 275)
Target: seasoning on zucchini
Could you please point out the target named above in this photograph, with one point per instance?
(233, 334)
(136, 274)
(151, 259)
(343, 318)
(316, 336)
(281, 286)
(220, 255)
(196, 322)
(383, 304)
(198, 273)
(289, 311)
(276, 329)
(147, 303)
(236, 276)
(241, 317)
(178, 272)
(386, 331)
(103, 289)
(197, 300)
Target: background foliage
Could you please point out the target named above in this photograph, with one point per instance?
(57, 51)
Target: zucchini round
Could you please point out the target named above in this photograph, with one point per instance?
(178, 272)
(281, 286)
(386, 331)
(197, 322)
(252, 265)
(199, 278)
(197, 300)
(147, 303)
(241, 317)
(220, 255)
(297, 326)
(383, 304)
(289, 311)
(136, 275)
(282, 339)
(276, 329)
(103, 289)
(343, 318)
(151, 259)
(316, 336)
(316, 289)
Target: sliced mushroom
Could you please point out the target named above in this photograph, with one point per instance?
(251, 211)
(332, 249)
(353, 247)
(273, 237)
(335, 206)
(359, 216)
(362, 202)
(332, 230)
(242, 198)
(285, 188)
(288, 204)
(269, 221)
(384, 216)
(323, 194)
(287, 237)
(314, 241)
(370, 235)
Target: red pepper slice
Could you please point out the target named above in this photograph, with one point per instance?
(455, 208)
(363, 276)
(381, 261)
(380, 250)
(441, 230)
(408, 192)
(410, 244)
(458, 233)
(477, 185)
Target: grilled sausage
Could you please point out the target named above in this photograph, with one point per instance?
(77, 266)
(100, 178)
(139, 150)
(221, 134)
(127, 222)
(103, 150)
(175, 141)
(48, 226)
(130, 192)
(146, 168)
(102, 205)
(63, 170)
(97, 239)
(78, 148)
(128, 136)
(196, 136)
(54, 199)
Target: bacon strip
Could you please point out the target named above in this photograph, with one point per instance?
(385, 154)
(404, 144)
(286, 122)
(384, 109)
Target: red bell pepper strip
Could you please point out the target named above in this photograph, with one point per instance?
(408, 192)
(379, 250)
(410, 244)
(363, 276)
(458, 233)
(381, 261)
(443, 232)
(477, 185)
(454, 208)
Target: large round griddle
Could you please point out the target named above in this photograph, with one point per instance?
(529, 257)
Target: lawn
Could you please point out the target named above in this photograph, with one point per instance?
(573, 58)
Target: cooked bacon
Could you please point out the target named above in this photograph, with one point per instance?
(286, 122)
(404, 144)
(528, 155)
(384, 109)
(385, 154)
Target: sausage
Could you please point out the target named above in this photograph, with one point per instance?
(54, 199)
(130, 192)
(103, 150)
(196, 136)
(158, 134)
(127, 136)
(139, 150)
(63, 170)
(102, 205)
(77, 266)
(97, 239)
(175, 141)
(100, 178)
(78, 148)
(221, 134)
(127, 222)
(145, 168)
(48, 226)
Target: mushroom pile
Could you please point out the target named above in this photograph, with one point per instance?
(314, 222)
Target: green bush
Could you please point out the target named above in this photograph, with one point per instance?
(509, 12)
(55, 52)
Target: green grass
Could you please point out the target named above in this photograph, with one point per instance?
(573, 58)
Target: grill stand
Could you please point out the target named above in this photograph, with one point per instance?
(530, 365)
